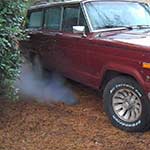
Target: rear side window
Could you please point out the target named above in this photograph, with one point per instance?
(36, 19)
(53, 18)
(70, 18)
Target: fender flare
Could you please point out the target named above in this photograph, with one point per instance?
(123, 69)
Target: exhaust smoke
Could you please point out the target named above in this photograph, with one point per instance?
(49, 87)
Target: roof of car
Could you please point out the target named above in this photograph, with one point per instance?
(47, 4)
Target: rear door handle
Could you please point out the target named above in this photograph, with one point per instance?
(54, 40)
(50, 33)
(60, 34)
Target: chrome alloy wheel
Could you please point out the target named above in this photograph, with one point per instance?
(127, 105)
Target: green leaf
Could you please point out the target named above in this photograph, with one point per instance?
(12, 14)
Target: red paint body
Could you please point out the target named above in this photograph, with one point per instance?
(88, 59)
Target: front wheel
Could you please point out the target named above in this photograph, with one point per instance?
(126, 105)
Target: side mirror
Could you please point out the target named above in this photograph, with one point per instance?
(79, 30)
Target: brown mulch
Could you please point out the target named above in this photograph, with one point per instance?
(30, 125)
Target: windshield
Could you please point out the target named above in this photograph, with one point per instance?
(116, 14)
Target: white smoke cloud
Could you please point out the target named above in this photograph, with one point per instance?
(44, 87)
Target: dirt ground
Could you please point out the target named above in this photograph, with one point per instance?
(30, 125)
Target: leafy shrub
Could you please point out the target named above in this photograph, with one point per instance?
(11, 31)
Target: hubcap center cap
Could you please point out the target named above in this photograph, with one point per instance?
(128, 104)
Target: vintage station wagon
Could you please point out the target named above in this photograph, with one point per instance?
(103, 44)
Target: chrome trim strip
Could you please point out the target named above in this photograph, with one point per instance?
(61, 20)
(109, 29)
(78, 21)
(86, 17)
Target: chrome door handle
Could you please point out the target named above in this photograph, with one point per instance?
(59, 33)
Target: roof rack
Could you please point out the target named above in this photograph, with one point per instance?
(40, 2)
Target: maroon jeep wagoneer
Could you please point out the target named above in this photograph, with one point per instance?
(103, 44)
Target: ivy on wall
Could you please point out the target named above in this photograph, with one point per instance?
(11, 31)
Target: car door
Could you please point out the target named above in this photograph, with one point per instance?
(70, 50)
(51, 28)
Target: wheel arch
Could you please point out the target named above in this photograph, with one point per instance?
(112, 72)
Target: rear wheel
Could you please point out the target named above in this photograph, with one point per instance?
(126, 105)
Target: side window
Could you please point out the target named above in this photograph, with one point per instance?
(82, 21)
(70, 18)
(36, 19)
(53, 18)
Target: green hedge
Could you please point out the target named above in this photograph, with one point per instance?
(11, 31)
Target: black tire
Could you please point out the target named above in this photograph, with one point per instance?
(122, 83)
